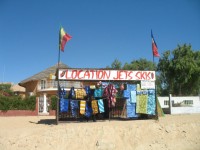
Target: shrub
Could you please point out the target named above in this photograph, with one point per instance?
(53, 102)
(17, 103)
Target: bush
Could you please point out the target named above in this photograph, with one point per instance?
(53, 102)
(17, 103)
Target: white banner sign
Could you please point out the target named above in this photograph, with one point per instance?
(147, 84)
(92, 74)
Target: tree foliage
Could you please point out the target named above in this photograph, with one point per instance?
(180, 71)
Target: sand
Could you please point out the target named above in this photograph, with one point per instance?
(181, 132)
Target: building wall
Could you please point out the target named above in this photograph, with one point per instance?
(181, 105)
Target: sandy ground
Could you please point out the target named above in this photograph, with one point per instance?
(180, 132)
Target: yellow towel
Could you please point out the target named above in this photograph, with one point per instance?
(94, 106)
(82, 107)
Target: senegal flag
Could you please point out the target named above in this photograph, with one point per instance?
(63, 38)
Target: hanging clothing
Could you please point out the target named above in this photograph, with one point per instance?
(98, 92)
(151, 108)
(94, 106)
(74, 107)
(82, 107)
(141, 98)
(64, 105)
(131, 110)
(131, 87)
(133, 97)
(88, 111)
(110, 93)
(101, 106)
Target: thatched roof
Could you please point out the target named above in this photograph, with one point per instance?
(44, 74)
(17, 88)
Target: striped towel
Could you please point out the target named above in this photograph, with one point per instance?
(82, 107)
(94, 107)
(133, 97)
(101, 106)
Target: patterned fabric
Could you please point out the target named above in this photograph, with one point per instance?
(133, 97)
(82, 107)
(72, 93)
(151, 102)
(94, 106)
(74, 107)
(87, 90)
(80, 94)
(131, 110)
(64, 105)
(88, 111)
(141, 105)
(126, 94)
(101, 106)
(110, 93)
(131, 87)
(98, 92)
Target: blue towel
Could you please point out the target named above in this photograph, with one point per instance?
(126, 94)
(133, 97)
(101, 106)
(74, 107)
(88, 111)
(98, 92)
(131, 87)
(151, 104)
(131, 109)
(64, 105)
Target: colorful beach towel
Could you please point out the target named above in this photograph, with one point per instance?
(131, 109)
(82, 107)
(94, 106)
(88, 111)
(101, 106)
(64, 105)
(133, 97)
(74, 107)
(151, 107)
(141, 104)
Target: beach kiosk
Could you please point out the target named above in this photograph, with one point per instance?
(106, 94)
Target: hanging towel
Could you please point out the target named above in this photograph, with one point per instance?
(94, 107)
(101, 106)
(133, 97)
(98, 92)
(141, 105)
(64, 105)
(131, 87)
(74, 107)
(151, 107)
(131, 109)
(126, 94)
(82, 107)
(88, 111)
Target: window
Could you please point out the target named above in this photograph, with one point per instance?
(43, 84)
(166, 102)
(188, 102)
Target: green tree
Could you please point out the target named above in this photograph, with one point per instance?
(141, 64)
(116, 64)
(180, 71)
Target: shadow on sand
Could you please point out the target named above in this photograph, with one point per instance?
(45, 122)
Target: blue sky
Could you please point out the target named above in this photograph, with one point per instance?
(101, 30)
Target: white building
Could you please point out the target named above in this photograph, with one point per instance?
(180, 105)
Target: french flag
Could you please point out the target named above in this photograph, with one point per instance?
(154, 46)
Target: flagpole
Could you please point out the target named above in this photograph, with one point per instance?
(58, 83)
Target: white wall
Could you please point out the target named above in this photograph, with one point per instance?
(193, 108)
